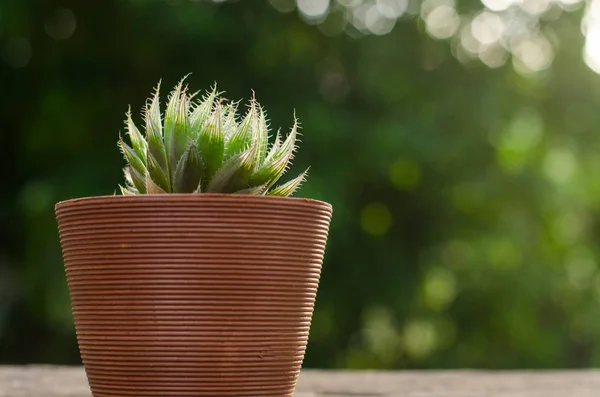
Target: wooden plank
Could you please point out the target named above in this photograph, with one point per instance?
(49, 381)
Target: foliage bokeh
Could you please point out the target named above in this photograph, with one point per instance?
(466, 198)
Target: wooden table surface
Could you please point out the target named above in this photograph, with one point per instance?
(49, 381)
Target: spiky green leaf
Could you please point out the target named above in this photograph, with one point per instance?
(241, 138)
(134, 178)
(260, 134)
(229, 122)
(255, 190)
(189, 172)
(171, 112)
(177, 131)
(152, 187)
(127, 174)
(274, 147)
(131, 156)
(211, 143)
(137, 140)
(277, 164)
(264, 132)
(157, 174)
(288, 188)
(152, 114)
(199, 116)
(234, 174)
(128, 191)
(154, 135)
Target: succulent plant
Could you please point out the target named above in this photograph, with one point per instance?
(201, 146)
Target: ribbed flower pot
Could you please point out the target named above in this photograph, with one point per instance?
(192, 295)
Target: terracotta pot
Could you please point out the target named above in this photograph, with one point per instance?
(192, 295)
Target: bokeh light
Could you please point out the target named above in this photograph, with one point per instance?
(502, 28)
(17, 52)
(60, 24)
(313, 10)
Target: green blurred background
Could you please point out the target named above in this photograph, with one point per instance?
(457, 142)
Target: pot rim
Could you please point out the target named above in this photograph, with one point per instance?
(179, 197)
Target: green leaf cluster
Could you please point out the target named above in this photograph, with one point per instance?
(203, 146)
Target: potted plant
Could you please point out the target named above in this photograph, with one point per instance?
(200, 279)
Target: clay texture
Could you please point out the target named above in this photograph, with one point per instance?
(192, 295)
